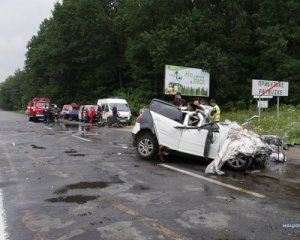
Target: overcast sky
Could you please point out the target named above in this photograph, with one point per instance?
(19, 21)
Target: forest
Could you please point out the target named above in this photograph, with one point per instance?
(90, 49)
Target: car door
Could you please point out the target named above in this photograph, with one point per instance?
(165, 118)
(194, 141)
(167, 134)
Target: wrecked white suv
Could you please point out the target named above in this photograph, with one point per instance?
(165, 128)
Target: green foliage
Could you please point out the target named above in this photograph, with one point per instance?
(11, 92)
(89, 49)
(287, 125)
(136, 98)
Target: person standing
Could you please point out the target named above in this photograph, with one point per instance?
(92, 115)
(99, 113)
(115, 115)
(216, 113)
(54, 113)
(202, 101)
(46, 114)
(178, 101)
(86, 115)
(142, 110)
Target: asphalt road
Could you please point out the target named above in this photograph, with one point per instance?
(75, 182)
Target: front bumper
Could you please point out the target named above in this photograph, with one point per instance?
(134, 133)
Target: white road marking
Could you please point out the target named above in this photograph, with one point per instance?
(90, 134)
(30, 122)
(3, 233)
(50, 157)
(75, 136)
(49, 128)
(255, 194)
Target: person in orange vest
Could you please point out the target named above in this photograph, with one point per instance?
(92, 114)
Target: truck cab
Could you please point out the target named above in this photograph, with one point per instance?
(35, 108)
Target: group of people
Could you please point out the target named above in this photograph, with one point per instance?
(215, 114)
(91, 115)
(50, 114)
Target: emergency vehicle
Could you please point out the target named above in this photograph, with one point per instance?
(35, 108)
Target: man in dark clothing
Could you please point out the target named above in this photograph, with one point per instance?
(46, 112)
(178, 101)
(115, 115)
(99, 113)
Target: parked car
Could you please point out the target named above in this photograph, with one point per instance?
(189, 132)
(107, 104)
(70, 111)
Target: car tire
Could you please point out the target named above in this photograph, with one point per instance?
(147, 146)
(30, 119)
(70, 118)
(239, 163)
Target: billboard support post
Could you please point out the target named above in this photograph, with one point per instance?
(259, 109)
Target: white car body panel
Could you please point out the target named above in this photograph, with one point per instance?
(166, 132)
(190, 141)
(136, 128)
(193, 141)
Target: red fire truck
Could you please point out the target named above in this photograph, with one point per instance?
(35, 108)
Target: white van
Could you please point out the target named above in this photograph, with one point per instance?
(122, 106)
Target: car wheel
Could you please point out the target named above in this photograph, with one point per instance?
(240, 162)
(147, 146)
(30, 119)
(70, 118)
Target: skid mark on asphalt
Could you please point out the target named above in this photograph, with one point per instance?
(243, 190)
(19, 190)
(148, 221)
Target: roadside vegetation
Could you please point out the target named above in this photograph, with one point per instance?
(288, 125)
(91, 49)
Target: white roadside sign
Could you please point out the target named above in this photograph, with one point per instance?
(262, 104)
(268, 97)
(269, 88)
